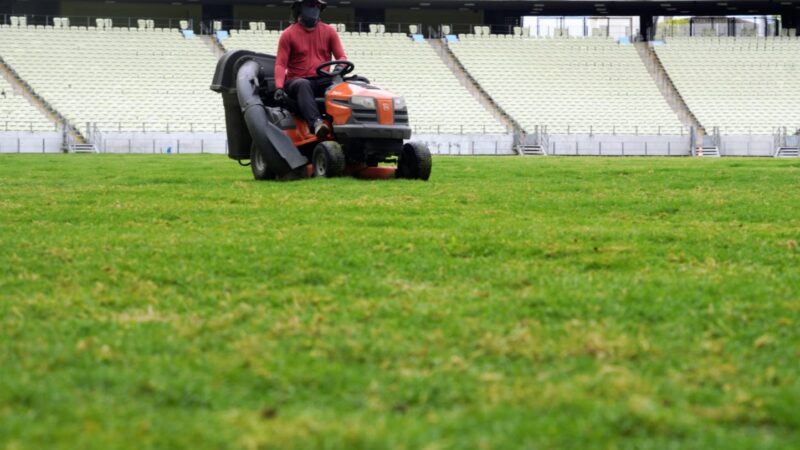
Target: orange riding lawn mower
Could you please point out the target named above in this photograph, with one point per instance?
(369, 125)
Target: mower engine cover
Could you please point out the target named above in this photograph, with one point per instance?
(363, 111)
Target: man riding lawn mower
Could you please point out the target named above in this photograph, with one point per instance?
(280, 113)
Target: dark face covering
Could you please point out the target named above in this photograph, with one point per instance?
(309, 16)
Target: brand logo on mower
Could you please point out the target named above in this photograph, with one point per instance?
(385, 107)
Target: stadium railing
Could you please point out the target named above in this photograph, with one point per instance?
(757, 26)
(212, 26)
(549, 27)
(28, 126)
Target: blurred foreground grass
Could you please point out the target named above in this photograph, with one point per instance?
(171, 302)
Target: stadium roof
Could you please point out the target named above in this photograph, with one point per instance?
(582, 7)
(661, 7)
(546, 7)
(499, 8)
(516, 4)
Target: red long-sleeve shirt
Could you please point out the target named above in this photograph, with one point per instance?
(301, 51)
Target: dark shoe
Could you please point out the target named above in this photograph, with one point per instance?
(321, 129)
(300, 173)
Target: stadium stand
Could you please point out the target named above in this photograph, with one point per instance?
(18, 114)
(568, 85)
(121, 79)
(737, 85)
(437, 101)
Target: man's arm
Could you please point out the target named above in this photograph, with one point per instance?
(282, 59)
(336, 46)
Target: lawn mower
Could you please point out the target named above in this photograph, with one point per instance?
(369, 125)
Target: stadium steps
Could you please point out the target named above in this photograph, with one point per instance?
(82, 148)
(531, 150)
(213, 44)
(665, 85)
(461, 74)
(707, 152)
(788, 152)
(19, 85)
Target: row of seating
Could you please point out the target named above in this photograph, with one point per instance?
(737, 85)
(587, 85)
(435, 98)
(341, 33)
(131, 79)
(125, 77)
(101, 23)
(18, 114)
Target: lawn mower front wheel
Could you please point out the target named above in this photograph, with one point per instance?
(329, 160)
(414, 162)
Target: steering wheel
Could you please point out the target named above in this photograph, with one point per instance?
(343, 68)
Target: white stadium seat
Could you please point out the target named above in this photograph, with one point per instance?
(739, 85)
(581, 85)
(123, 80)
(144, 78)
(18, 114)
(437, 101)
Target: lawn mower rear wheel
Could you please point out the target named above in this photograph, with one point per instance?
(259, 165)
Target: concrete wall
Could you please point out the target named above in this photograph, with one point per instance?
(440, 144)
(216, 143)
(26, 142)
(618, 145)
(747, 145)
(178, 143)
(467, 144)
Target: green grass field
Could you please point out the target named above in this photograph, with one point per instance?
(155, 302)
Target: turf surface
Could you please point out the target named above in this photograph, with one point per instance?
(171, 302)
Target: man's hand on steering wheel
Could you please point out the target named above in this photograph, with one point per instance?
(341, 69)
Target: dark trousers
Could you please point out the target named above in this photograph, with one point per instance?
(304, 91)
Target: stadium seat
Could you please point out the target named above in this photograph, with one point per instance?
(569, 85)
(18, 114)
(125, 80)
(726, 81)
(437, 101)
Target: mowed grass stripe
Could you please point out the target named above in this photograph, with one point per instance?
(171, 302)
